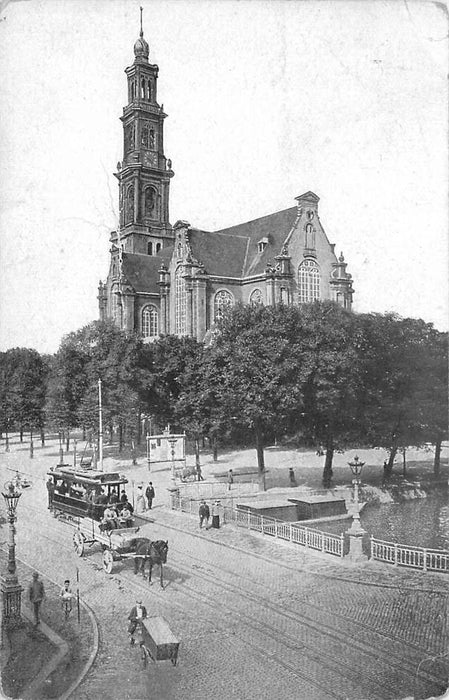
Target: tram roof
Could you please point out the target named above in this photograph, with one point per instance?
(88, 476)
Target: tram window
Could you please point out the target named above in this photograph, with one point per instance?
(61, 487)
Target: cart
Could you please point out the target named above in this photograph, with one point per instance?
(158, 641)
(115, 543)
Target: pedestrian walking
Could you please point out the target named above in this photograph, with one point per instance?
(291, 476)
(140, 500)
(36, 594)
(66, 596)
(50, 491)
(150, 494)
(204, 514)
(135, 617)
(199, 475)
(216, 510)
(230, 479)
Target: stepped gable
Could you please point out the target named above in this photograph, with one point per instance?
(141, 271)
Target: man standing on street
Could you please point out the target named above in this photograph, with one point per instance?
(204, 513)
(149, 493)
(50, 491)
(36, 593)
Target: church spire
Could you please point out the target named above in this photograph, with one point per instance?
(141, 48)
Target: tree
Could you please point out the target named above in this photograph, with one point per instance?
(66, 386)
(254, 371)
(400, 351)
(102, 351)
(166, 363)
(333, 376)
(432, 392)
(23, 385)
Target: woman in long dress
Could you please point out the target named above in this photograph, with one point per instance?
(140, 500)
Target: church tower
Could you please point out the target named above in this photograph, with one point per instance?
(144, 174)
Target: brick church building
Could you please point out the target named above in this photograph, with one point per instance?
(166, 279)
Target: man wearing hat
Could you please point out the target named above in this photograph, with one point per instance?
(204, 513)
(36, 594)
(135, 617)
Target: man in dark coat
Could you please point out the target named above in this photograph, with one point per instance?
(50, 491)
(204, 513)
(135, 617)
(150, 493)
(36, 594)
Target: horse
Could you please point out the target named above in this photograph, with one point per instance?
(151, 552)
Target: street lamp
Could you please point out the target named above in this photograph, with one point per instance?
(356, 530)
(11, 589)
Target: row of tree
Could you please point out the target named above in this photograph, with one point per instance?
(331, 378)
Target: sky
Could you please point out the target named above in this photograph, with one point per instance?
(266, 100)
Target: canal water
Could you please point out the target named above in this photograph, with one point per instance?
(422, 522)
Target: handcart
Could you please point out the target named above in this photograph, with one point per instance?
(158, 641)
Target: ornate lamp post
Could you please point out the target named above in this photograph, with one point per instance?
(356, 530)
(11, 589)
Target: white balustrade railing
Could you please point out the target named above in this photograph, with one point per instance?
(412, 557)
(389, 552)
(292, 532)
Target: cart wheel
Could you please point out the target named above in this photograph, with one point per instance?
(78, 543)
(108, 561)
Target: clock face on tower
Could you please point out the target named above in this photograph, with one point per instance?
(150, 159)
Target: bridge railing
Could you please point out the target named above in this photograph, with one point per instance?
(292, 532)
(409, 556)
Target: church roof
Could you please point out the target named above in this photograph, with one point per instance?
(141, 271)
(234, 251)
(221, 254)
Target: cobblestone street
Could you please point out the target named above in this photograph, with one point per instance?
(256, 618)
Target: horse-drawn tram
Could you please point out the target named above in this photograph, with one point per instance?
(98, 504)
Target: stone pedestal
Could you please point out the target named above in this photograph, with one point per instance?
(11, 601)
(355, 534)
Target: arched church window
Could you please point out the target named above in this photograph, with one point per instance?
(150, 248)
(158, 247)
(142, 89)
(150, 201)
(310, 236)
(149, 91)
(179, 250)
(223, 301)
(309, 286)
(129, 205)
(180, 303)
(152, 140)
(255, 297)
(150, 322)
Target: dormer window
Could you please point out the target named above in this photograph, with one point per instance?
(262, 244)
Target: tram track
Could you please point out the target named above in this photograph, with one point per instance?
(314, 652)
(210, 602)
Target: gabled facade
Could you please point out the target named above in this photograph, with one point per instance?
(165, 280)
